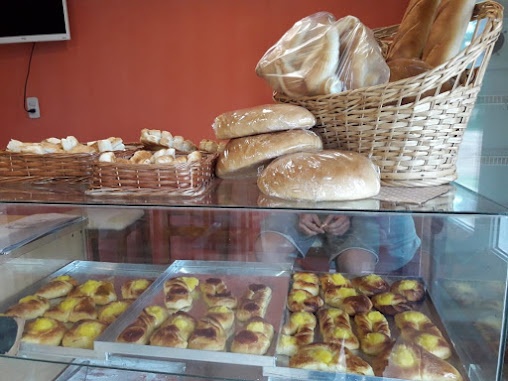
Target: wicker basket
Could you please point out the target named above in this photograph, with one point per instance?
(186, 179)
(33, 168)
(414, 139)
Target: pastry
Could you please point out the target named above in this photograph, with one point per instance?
(297, 332)
(251, 342)
(175, 331)
(408, 361)
(463, 293)
(139, 331)
(83, 333)
(224, 316)
(57, 287)
(216, 293)
(333, 280)
(133, 289)
(73, 310)
(416, 321)
(411, 289)
(330, 358)
(298, 321)
(335, 328)
(257, 324)
(301, 300)
(100, 291)
(43, 331)
(110, 312)
(373, 331)
(208, 335)
(390, 304)
(348, 299)
(178, 292)
(254, 302)
(370, 285)
(29, 307)
(306, 281)
(431, 342)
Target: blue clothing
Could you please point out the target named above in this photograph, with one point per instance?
(394, 234)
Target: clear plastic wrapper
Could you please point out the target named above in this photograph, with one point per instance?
(320, 56)
(246, 157)
(321, 176)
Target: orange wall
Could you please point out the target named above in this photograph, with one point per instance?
(165, 64)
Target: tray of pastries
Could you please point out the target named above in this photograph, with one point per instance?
(65, 312)
(223, 312)
(370, 326)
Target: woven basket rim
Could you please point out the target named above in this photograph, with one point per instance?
(495, 14)
(207, 157)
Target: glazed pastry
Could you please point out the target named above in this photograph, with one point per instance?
(43, 331)
(411, 289)
(348, 299)
(374, 332)
(57, 287)
(216, 294)
(297, 332)
(255, 302)
(431, 342)
(83, 334)
(333, 280)
(208, 335)
(132, 289)
(251, 342)
(100, 291)
(140, 330)
(416, 321)
(175, 331)
(390, 304)
(73, 310)
(178, 291)
(111, 311)
(408, 361)
(224, 316)
(335, 328)
(301, 300)
(29, 307)
(329, 358)
(258, 324)
(370, 285)
(306, 281)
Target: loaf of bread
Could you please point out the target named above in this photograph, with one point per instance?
(243, 156)
(361, 59)
(448, 31)
(414, 30)
(305, 60)
(322, 176)
(262, 119)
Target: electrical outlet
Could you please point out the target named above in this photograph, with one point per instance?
(33, 103)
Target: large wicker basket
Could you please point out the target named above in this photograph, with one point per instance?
(414, 139)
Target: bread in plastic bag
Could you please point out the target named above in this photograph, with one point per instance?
(361, 59)
(243, 157)
(305, 60)
(328, 175)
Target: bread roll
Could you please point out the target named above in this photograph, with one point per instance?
(414, 29)
(448, 30)
(245, 155)
(262, 119)
(323, 176)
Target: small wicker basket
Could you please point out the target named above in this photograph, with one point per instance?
(33, 168)
(412, 137)
(186, 179)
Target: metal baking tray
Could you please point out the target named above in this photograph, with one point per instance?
(282, 370)
(237, 275)
(118, 273)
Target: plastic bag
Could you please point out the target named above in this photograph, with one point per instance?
(320, 56)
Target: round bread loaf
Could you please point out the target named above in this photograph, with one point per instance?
(321, 176)
(262, 119)
(243, 156)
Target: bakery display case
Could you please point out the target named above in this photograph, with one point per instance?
(444, 291)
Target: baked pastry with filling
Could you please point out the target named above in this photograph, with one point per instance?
(140, 330)
(371, 284)
(335, 328)
(57, 287)
(43, 331)
(298, 331)
(83, 334)
(208, 335)
(225, 316)
(333, 280)
(111, 311)
(132, 289)
(301, 300)
(29, 307)
(411, 289)
(178, 291)
(348, 299)
(175, 331)
(101, 292)
(390, 303)
(306, 281)
(73, 310)
(254, 302)
(374, 332)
